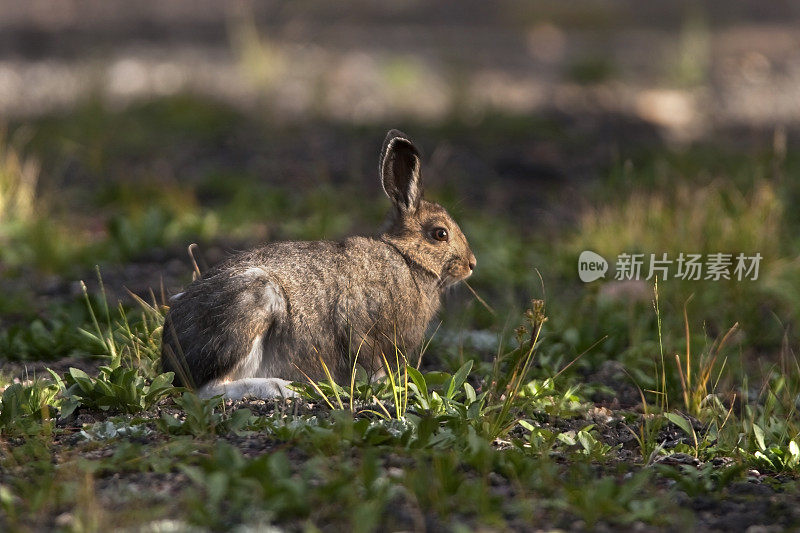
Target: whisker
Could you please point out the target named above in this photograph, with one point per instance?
(481, 300)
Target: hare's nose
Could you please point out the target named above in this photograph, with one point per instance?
(472, 263)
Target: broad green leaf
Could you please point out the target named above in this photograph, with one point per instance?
(241, 417)
(458, 379)
(68, 407)
(759, 435)
(77, 373)
(567, 439)
(101, 387)
(587, 441)
(470, 392)
(527, 425)
(474, 410)
(794, 451)
(162, 381)
(57, 378)
(681, 422)
(419, 380)
(436, 378)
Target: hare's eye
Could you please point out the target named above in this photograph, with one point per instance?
(440, 234)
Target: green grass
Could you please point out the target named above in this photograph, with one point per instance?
(449, 435)
(447, 439)
(508, 423)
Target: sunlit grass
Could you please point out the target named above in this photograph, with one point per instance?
(718, 217)
(19, 176)
(688, 218)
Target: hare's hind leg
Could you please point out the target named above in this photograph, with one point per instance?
(260, 306)
(249, 387)
(215, 334)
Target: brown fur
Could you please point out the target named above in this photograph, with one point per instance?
(276, 310)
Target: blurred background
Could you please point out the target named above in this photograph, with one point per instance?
(683, 68)
(130, 129)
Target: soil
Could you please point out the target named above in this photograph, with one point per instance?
(758, 503)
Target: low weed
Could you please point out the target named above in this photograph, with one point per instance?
(202, 418)
(390, 397)
(26, 409)
(130, 382)
(227, 486)
(119, 389)
(705, 480)
(762, 432)
(32, 487)
(509, 375)
(609, 500)
(43, 340)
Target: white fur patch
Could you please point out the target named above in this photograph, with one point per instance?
(253, 359)
(248, 366)
(274, 301)
(250, 387)
(253, 272)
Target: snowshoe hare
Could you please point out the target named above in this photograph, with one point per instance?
(253, 323)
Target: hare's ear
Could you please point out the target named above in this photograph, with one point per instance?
(400, 171)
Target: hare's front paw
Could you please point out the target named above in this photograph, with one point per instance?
(263, 388)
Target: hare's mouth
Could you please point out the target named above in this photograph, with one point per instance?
(452, 278)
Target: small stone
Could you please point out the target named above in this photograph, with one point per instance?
(759, 528)
(64, 520)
